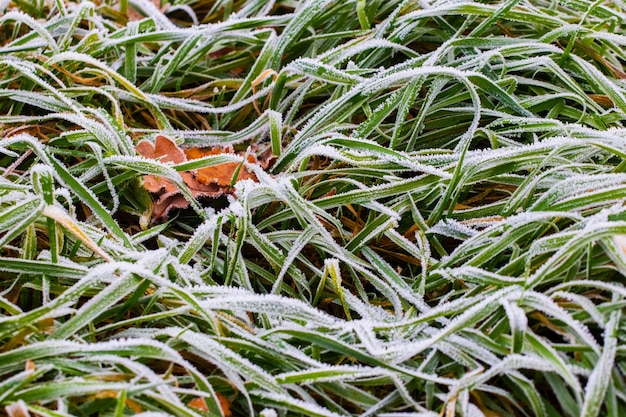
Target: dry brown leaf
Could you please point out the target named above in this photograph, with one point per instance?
(220, 174)
(17, 409)
(164, 149)
(213, 181)
(199, 404)
(162, 206)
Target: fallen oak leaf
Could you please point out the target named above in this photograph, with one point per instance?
(164, 149)
(162, 207)
(221, 174)
(17, 409)
(213, 181)
(156, 184)
(200, 404)
(170, 196)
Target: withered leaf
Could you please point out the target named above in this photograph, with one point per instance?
(17, 409)
(213, 181)
(164, 149)
(200, 404)
(219, 174)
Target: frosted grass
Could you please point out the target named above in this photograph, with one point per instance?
(436, 226)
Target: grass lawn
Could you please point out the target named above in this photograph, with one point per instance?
(312, 208)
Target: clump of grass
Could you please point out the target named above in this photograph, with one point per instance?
(442, 232)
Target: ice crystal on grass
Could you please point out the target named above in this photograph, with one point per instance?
(419, 208)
